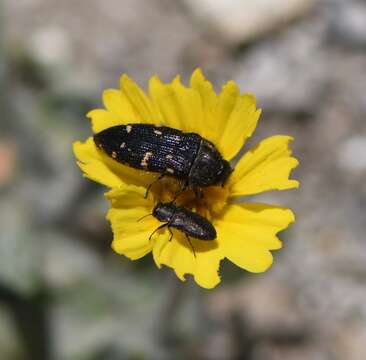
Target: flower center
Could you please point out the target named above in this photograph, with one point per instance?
(209, 205)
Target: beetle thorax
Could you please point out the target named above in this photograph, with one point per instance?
(164, 212)
(209, 168)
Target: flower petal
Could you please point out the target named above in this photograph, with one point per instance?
(239, 126)
(250, 233)
(164, 97)
(209, 255)
(102, 119)
(209, 104)
(178, 255)
(101, 168)
(117, 103)
(265, 167)
(226, 102)
(180, 106)
(145, 109)
(118, 111)
(130, 236)
(173, 254)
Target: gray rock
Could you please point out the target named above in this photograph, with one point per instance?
(348, 23)
(239, 21)
(92, 45)
(351, 155)
(288, 73)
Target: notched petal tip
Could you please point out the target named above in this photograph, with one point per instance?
(180, 275)
(75, 147)
(124, 79)
(207, 283)
(261, 265)
(291, 218)
(256, 237)
(177, 80)
(230, 88)
(197, 77)
(250, 99)
(131, 253)
(90, 113)
(154, 81)
(265, 167)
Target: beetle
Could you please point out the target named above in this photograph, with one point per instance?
(185, 156)
(179, 217)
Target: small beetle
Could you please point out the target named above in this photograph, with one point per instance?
(171, 152)
(189, 222)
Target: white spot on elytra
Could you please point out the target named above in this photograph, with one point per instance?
(169, 157)
(170, 170)
(114, 154)
(146, 158)
(128, 128)
(123, 145)
(158, 132)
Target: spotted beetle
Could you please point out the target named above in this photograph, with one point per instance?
(189, 222)
(185, 156)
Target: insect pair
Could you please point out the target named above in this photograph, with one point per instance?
(187, 157)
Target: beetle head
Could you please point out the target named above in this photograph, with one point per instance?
(164, 211)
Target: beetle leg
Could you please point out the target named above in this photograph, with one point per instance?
(189, 241)
(155, 181)
(181, 191)
(158, 228)
(171, 233)
(198, 192)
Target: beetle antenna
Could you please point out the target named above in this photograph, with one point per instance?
(144, 217)
(189, 241)
(181, 191)
(154, 182)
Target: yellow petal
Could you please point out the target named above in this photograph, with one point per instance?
(118, 111)
(249, 233)
(239, 126)
(133, 245)
(190, 107)
(99, 167)
(209, 254)
(144, 109)
(102, 119)
(265, 167)
(226, 102)
(130, 196)
(180, 106)
(164, 97)
(178, 255)
(174, 254)
(131, 236)
(117, 103)
(209, 104)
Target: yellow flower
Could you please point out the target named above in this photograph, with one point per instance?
(246, 232)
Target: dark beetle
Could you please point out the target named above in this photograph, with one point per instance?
(189, 222)
(170, 152)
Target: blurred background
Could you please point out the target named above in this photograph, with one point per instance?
(65, 295)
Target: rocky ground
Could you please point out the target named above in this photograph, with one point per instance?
(65, 295)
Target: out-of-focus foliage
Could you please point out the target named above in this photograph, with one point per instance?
(65, 295)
